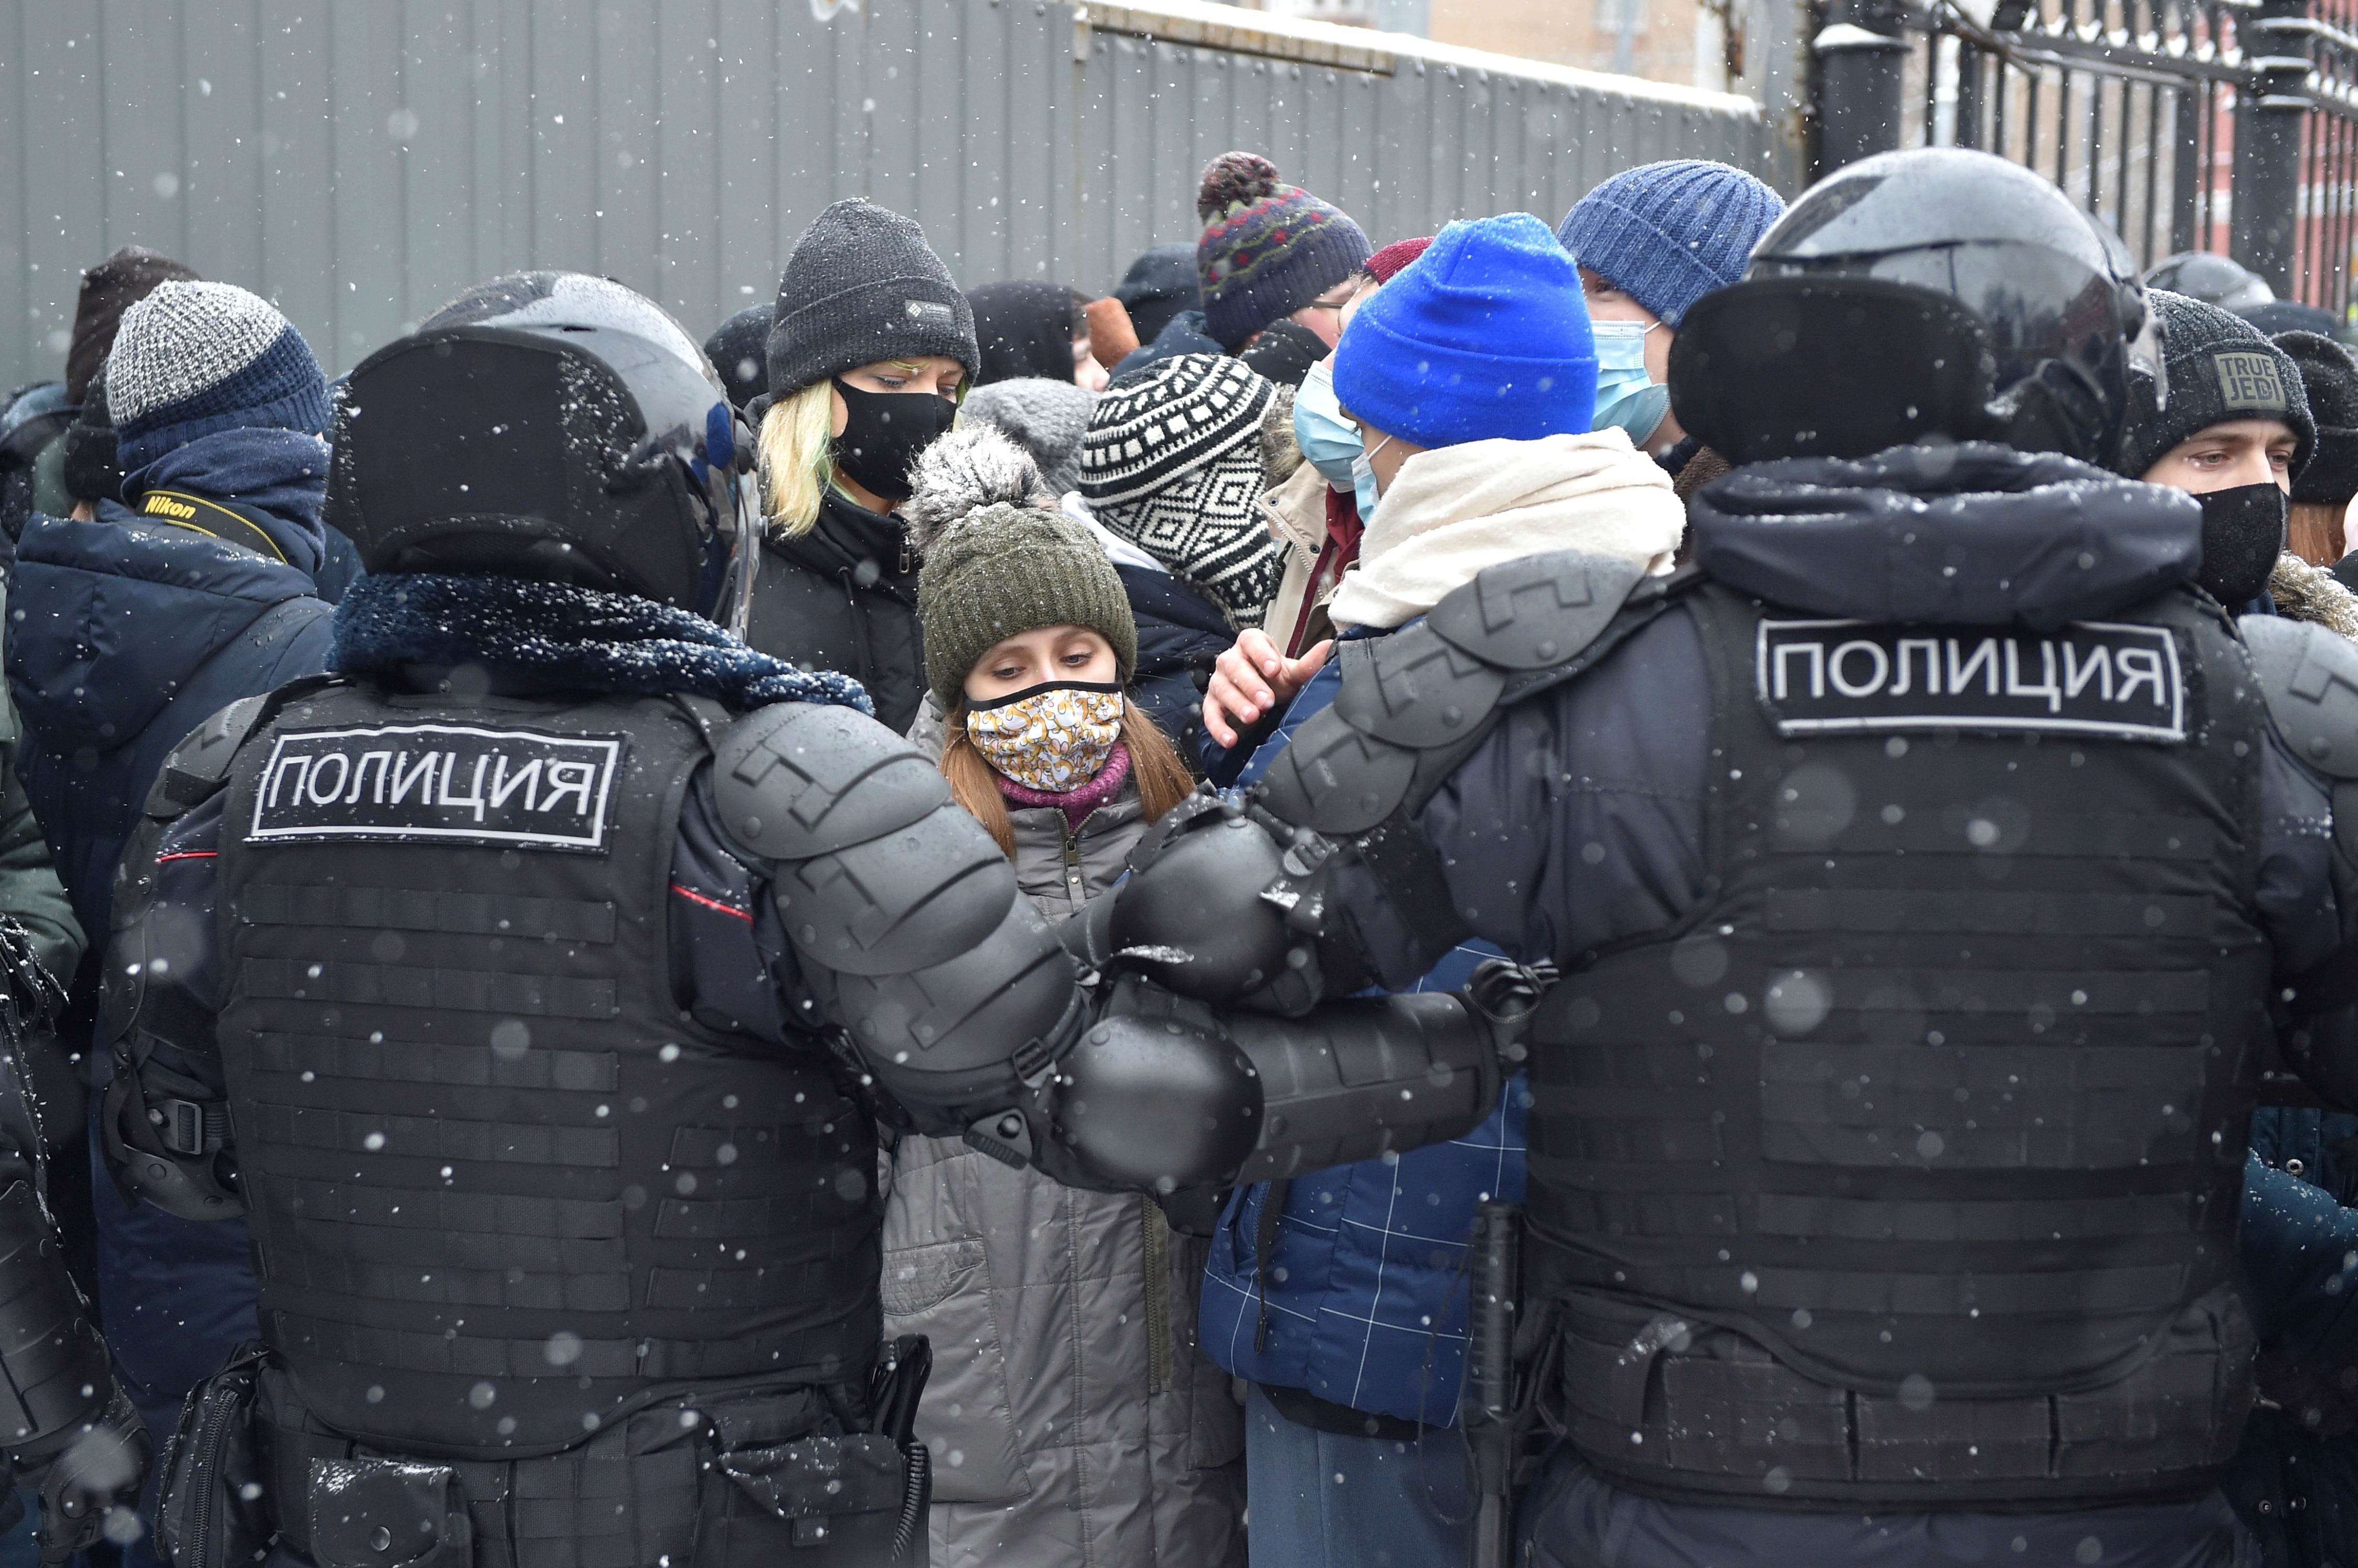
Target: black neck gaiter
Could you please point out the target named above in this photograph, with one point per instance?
(2242, 535)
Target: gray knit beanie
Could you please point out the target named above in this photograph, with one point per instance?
(1004, 570)
(861, 286)
(1046, 419)
(192, 359)
(2220, 367)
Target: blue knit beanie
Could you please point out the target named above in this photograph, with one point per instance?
(1668, 233)
(1485, 338)
(195, 358)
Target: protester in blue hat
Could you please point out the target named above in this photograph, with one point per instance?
(197, 587)
(1472, 378)
(1651, 241)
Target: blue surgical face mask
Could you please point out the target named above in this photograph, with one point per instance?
(1328, 441)
(1626, 396)
(1363, 480)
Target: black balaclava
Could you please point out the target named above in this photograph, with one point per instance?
(884, 431)
(2242, 535)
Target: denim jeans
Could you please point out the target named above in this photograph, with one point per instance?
(1322, 1500)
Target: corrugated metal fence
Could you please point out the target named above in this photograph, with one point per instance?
(359, 161)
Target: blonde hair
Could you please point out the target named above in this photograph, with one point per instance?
(797, 453)
(1162, 778)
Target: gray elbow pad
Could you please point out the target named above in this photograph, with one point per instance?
(1361, 1077)
(904, 913)
(1164, 1093)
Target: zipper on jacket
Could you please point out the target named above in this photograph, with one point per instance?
(1074, 890)
(1159, 1357)
(217, 1407)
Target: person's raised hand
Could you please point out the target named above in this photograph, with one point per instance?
(1251, 678)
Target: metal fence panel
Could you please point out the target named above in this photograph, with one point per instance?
(359, 161)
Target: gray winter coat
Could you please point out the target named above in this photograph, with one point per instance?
(1072, 1425)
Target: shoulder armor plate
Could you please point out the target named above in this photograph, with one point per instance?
(2310, 676)
(1539, 611)
(797, 780)
(1418, 691)
(198, 767)
(195, 769)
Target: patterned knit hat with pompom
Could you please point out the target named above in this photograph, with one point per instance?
(1268, 248)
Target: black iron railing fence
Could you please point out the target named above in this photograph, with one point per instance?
(2227, 125)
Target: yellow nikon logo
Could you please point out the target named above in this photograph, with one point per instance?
(165, 506)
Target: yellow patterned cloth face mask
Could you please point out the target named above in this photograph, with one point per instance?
(1049, 738)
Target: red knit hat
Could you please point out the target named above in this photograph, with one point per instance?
(1387, 263)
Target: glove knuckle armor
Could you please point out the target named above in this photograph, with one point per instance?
(1194, 920)
(794, 781)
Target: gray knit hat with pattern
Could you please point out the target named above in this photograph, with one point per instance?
(1005, 570)
(863, 285)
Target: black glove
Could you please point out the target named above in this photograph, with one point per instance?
(95, 1475)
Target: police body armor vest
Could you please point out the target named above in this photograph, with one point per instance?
(1907, 1171)
(503, 1190)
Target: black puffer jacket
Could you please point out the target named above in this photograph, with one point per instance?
(844, 597)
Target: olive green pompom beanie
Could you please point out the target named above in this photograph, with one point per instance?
(1003, 570)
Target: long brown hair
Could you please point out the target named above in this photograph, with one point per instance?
(1162, 778)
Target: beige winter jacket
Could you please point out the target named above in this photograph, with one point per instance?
(1072, 1421)
(1295, 512)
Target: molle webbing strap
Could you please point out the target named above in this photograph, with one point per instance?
(413, 1062)
(646, 1358)
(434, 1137)
(1727, 1423)
(449, 990)
(396, 909)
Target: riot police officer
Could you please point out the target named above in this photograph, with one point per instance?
(498, 979)
(1933, 869)
(68, 1431)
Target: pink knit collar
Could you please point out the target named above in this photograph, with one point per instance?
(1080, 801)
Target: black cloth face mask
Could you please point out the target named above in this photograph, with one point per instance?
(884, 431)
(2242, 535)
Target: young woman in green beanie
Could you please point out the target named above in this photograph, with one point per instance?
(1070, 1417)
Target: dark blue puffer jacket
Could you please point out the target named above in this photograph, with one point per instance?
(1364, 1295)
(2296, 1491)
(124, 635)
(1177, 628)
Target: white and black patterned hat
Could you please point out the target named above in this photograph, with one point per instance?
(1172, 463)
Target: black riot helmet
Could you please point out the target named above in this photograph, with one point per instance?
(2213, 279)
(545, 425)
(1936, 293)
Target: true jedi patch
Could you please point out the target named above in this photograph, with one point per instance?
(437, 781)
(2087, 678)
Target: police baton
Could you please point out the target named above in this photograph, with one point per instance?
(1486, 1405)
